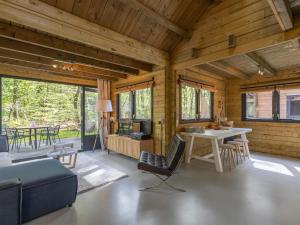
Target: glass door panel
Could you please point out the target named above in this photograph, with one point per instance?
(90, 127)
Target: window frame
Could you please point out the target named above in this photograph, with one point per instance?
(196, 120)
(275, 110)
(133, 107)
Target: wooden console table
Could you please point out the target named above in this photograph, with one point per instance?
(128, 146)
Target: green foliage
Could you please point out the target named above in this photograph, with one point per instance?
(26, 102)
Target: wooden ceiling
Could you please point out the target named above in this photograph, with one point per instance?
(271, 60)
(159, 23)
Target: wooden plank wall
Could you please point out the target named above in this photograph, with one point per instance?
(158, 103)
(248, 20)
(201, 147)
(269, 137)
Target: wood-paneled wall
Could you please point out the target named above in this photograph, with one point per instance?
(269, 137)
(159, 102)
(248, 20)
(201, 147)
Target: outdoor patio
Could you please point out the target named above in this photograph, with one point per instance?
(27, 152)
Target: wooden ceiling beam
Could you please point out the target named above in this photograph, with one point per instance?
(228, 69)
(259, 61)
(50, 62)
(135, 4)
(262, 43)
(27, 48)
(205, 72)
(28, 73)
(43, 17)
(37, 38)
(36, 66)
(283, 13)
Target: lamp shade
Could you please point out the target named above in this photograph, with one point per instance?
(104, 106)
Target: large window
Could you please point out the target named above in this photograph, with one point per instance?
(125, 105)
(135, 105)
(195, 104)
(275, 105)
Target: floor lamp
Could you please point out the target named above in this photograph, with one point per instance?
(103, 106)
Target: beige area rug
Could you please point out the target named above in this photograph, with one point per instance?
(93, 173)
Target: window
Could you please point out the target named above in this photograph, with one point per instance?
(275, 105)
(135, 105)
(259, 105)
(125, 109)
(188, 103)
(143, 104)
(195, 104)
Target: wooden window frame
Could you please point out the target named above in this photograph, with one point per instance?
(199, 119)
(275, 110)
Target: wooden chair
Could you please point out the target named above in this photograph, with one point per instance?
(228, 152)
(237, 149)
(244, 145)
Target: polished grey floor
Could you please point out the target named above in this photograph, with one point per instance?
(264, 190)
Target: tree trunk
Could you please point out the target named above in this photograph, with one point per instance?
(15, 100)
(75, 105)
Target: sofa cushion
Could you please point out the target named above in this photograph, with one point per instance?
(36, 173)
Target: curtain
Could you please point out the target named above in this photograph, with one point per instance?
(104, 94)
(135, 86)
(196, 84)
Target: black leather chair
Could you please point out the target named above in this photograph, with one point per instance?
(161, 166)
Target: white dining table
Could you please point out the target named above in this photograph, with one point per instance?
(217, 138)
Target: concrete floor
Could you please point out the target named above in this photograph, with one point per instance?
(263, 190)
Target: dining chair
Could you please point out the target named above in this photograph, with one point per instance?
(54, 133)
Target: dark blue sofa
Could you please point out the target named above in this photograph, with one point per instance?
(33, 189)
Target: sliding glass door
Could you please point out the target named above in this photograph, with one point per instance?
(29, 108)
(90, 118)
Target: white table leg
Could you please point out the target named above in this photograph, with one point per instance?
(216, 152)
(189, 151)
(244, 138)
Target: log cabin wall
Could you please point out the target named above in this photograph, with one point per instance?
(268, 137)
(250, 21)
(158, 108)
(201, 147)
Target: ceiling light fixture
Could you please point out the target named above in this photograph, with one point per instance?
(261, 70)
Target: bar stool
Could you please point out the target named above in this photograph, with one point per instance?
(228, 149)
(244, 146)
(238, 145)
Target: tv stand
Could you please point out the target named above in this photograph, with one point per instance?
(128, 146)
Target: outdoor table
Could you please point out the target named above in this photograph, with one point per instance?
(34, 131)
(216, 137)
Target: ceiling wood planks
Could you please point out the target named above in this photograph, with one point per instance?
(283, 13)
(259, 61)
(157, 17)
(36, 14)
(228, 69)
(19, 46)
(37, 38)
(50, 62)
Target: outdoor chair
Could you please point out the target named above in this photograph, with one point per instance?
(44, 136)
(54, 133)
(163, 167)
(20, 136)
(11, 137)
